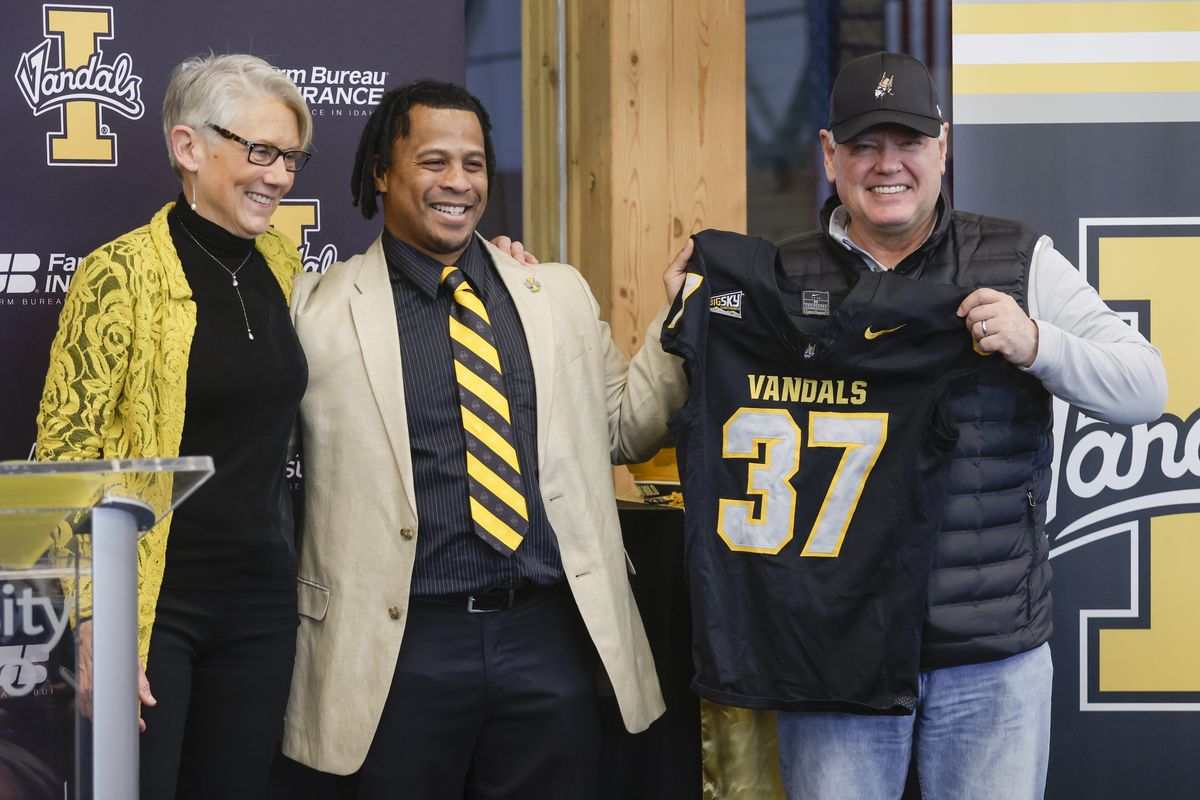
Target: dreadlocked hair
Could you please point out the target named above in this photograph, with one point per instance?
(390, 120)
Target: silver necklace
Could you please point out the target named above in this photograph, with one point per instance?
(232, 274)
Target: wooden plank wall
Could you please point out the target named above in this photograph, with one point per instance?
(655, 142)
(541, 80)
(679, 142)
(655, 151)
(655, 139)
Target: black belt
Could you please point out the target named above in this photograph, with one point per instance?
(490, 600)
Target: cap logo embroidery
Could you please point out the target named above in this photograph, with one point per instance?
(885, 85)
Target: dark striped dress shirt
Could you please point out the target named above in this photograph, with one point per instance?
(451, 558)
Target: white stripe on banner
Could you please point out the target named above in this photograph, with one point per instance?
(1035, 109)
(1076, 48)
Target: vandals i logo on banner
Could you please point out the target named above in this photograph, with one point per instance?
(68, 72)
(296, 219)
(1139, 485)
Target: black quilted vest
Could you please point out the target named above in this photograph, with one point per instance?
(989, 593)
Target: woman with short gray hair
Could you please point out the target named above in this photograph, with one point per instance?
(175, 340)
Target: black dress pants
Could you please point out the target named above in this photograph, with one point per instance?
(500, 705)
(220, 667)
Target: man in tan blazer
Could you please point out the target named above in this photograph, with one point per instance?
(435, 658)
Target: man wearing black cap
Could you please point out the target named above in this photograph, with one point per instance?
(981, 728)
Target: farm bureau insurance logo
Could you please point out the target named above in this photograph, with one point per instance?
(339, 92)
(16, 272)
(35, 279)
(70, 73)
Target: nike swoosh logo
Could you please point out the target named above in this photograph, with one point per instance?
(869, 334)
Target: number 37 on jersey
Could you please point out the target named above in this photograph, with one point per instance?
(772, 444)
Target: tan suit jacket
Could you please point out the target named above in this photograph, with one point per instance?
(361, 525)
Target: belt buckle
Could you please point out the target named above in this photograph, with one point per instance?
(473, 610)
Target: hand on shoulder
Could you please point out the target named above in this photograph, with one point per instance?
(516, 250)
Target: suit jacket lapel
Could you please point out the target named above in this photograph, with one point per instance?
(374, 313)
(533, 307)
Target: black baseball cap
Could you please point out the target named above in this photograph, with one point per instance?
(882, 88)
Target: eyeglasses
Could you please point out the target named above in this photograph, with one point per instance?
(264, 154)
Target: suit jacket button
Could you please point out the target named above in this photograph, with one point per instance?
(394, 612)
(406, 533)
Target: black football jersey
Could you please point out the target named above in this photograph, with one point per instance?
(813, 459)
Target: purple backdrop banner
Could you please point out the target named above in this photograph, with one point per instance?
(84, 158)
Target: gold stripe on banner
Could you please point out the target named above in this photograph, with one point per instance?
(495, 526)
(1074, 17)
(483, 390)
(1076, 78)
(497, 486)
(475, 343)
(484, 433)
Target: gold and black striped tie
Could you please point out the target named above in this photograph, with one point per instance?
(498, 508)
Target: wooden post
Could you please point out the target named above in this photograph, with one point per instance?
(655, 151)
(655, 141)
(543, 191)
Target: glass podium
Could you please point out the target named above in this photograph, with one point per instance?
(67, 527)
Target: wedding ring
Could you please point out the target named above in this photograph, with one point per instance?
(983, 328)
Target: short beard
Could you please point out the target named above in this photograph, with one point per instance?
(445, 246)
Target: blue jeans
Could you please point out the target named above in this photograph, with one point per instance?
(980, 731)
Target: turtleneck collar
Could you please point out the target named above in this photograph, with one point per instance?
(210, 236)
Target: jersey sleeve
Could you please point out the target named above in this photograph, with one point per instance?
(685, 327)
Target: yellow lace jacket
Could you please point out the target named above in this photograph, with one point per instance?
(117, 380)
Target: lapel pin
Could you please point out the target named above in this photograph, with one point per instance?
(533, 285)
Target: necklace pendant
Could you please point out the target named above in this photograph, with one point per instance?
(235, 283)
(249, 334)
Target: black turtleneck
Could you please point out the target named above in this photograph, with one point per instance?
(236, 532)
